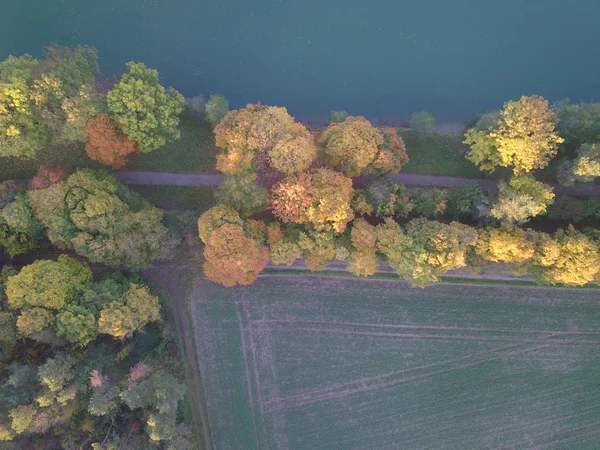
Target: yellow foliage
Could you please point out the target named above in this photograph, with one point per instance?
(351, 145)
(509, 245)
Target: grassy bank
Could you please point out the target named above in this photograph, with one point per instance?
(194, 152)
(438, 155)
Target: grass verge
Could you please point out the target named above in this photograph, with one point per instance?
(438, 155)
(448, 280)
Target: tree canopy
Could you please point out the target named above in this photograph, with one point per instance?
(146, 111)
(522, 137)
(101, 219)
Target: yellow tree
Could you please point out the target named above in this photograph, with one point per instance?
(522, 136)
(363, 258)
(509, 245)
(350, 146)
(569, 257)
(215, 217)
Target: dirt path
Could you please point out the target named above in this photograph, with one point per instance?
(169, 278)
(408, 179)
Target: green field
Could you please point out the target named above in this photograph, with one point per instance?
(328, 363)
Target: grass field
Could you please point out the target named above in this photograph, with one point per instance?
(327, 363)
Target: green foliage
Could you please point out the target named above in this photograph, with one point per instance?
(584, 169)
(160, 392)
(388, 199)
(216, 108)
(521, 199)
(132, 312)
(337, 116)
(461, 201)
(147, 113)
(20, 231)
(77, 324)
(216, 217)
(56, 372)
(73, 67)
(430, 203)
(47, 284)
(578, 124)
(243, 194)
(102, 220)
(422, 124)
(426, 250)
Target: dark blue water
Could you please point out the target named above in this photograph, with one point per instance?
(379, 58)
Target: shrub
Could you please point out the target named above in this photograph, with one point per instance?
(422, 124)
(337, 116)
(216, 108)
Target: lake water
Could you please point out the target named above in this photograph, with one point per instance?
(380, 58)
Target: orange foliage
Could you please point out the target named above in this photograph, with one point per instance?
(363, 259)
(46, 176)
(232, 258)
(392, 153)
(321, 198)
(106, 143)
(244, 132)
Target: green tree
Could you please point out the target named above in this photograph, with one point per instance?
(72, 67)
(131, 313)
(102, 220)
(426, 249)
(47, 284)
(430, 203)
(388, 199)
(243, 194)
(23, 132)
(521, 199)
(147, 113)
(216, 108)
(20, 231)
(422, 124)
(579, 123)
(337, 116)
(584, 169)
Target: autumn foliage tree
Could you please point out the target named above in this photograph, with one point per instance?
(321, 198)
(233, 258)
(47, 175)
(521, 199)
(363, 257)
(522, 136)
(569, 257)
(265, 132)
(509, 245)
(106, 144)
(584, 169)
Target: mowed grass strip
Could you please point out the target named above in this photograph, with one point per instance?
(344, 363)
(438, 155)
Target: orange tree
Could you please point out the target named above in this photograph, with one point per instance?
(230, 257)
(363, 257)
(106, 144)
(321, 198)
